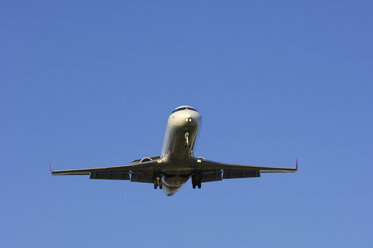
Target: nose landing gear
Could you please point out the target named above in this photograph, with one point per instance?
(187, 138)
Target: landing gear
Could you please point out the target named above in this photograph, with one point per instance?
(187, 138)
(196, 181)
(196, 184)
(158, 182)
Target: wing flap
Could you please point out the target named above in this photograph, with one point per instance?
(110, 175)
(229, 174)
(211, 176)
(218, 175)
(142, 177)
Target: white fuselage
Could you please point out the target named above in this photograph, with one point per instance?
(180, 124)
(177, 151)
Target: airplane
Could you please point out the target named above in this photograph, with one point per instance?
(177, 163)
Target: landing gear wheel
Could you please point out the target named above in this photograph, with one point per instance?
(196, 184)
(187, 138)
(158, 182)
(196, 180)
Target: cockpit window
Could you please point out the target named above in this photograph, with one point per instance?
(183, 108)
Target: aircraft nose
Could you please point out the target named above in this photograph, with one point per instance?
(187, 118)
(192, 119)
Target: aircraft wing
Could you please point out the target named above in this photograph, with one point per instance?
(141, 172)
(209, 171)
(211, 165)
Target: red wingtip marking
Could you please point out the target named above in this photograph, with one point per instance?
(297, 164)
(50, 168)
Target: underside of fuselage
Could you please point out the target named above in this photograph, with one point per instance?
(172, 183)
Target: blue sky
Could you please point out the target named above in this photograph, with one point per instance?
(89, 84)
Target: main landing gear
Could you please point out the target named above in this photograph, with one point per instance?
(196, 181)
(196, 184)
(158, 182)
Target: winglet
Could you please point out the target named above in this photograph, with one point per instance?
(50, 168)
(296, 163)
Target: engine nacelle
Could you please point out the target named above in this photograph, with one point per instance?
(146, 159)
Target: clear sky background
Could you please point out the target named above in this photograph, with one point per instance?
(91, 83)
